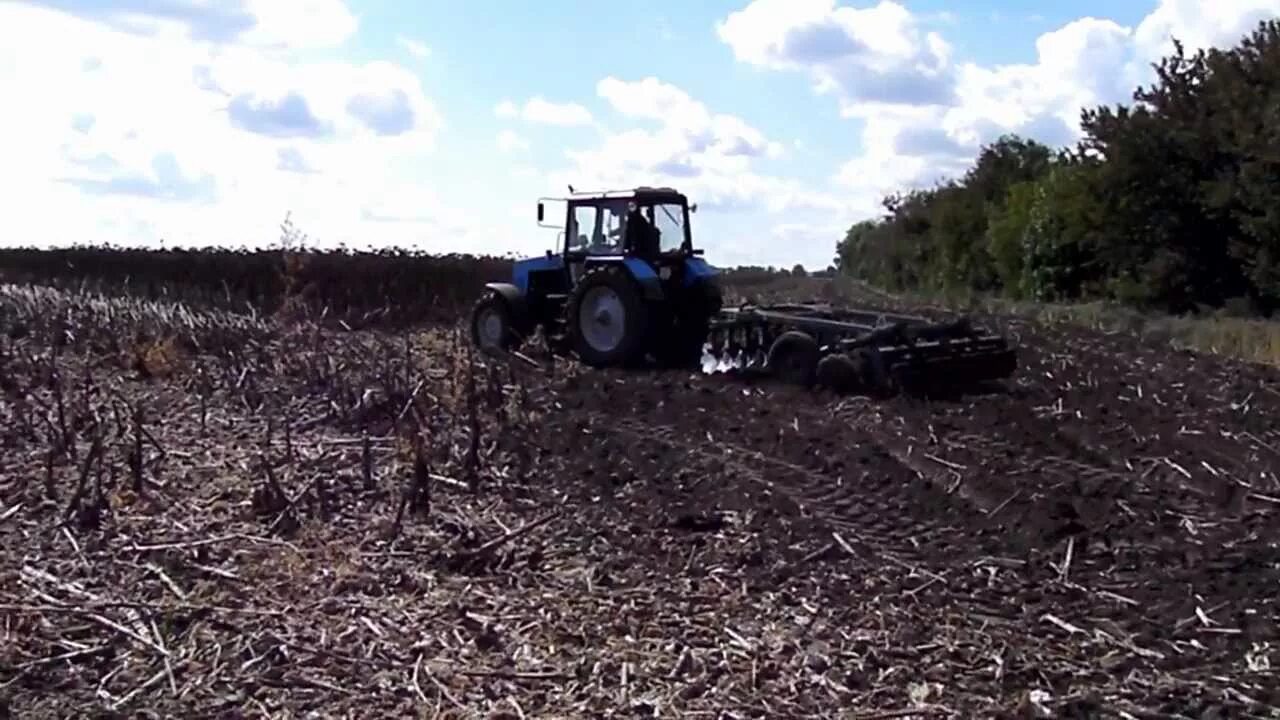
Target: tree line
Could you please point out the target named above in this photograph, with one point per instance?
(1171, 203)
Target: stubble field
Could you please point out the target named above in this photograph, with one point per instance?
(208, 514)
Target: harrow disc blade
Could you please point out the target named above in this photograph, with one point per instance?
(722, 359)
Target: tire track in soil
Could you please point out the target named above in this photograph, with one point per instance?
(1142, 529)
(883, 596)
(1147, 597)
(856, 484)
(865, 477)
(886, 517)
(830, 500)
(1211, 417)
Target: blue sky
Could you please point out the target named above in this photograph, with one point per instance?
(437, 125)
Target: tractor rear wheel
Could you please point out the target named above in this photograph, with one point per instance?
(608, 319)
(793, 358)
(491, 326)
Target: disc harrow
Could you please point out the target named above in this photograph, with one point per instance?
(850, 350)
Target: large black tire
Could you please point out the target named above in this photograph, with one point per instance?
(491, 324)
(631, 329)
(793, 358)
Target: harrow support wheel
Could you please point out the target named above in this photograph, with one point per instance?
(841, 373)
(793, 358)
(491, 326)
(608, 318)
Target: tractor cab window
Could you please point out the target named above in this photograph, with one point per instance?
(668, 219)
(615, 225)
(597, 230)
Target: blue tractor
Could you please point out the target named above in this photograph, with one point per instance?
(628, 286)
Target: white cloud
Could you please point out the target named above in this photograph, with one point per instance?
(1199, 24)
(506, 109)
(901, 150)
(199, 126)
(1079, 65)
(297, 23)
(545, 112)
(877, 54)
(509, 141)
(684, 119)
(416, 48)
(262, 23)
(540, 111)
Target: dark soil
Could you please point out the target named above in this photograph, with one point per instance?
(1097, 538)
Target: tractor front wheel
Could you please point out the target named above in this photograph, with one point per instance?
(491, 327)
(608, 319)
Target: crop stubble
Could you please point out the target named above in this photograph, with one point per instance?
(348, 524)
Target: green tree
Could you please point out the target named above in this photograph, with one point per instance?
(956, 230)
(1009, 160)
(1064, 227)
(1191, 179)
(1007, 225)
(1239, 91)
(890, 252)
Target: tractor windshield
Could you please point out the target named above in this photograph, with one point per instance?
(668, 220)
(597, 229)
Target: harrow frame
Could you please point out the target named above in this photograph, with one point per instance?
(851, 349)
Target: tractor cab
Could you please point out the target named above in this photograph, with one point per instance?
(647, 224)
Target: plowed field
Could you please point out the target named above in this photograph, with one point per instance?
(248, 519)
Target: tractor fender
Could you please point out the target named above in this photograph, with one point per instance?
(644, 275)
(697, 270)
(515, 302)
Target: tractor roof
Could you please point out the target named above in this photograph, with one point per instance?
(643, 193)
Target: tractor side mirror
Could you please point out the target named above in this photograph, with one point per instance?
(693, 208)
(541, 212)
